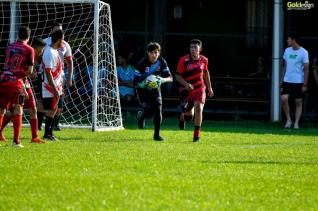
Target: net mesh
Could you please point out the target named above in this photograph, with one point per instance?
(78, 24)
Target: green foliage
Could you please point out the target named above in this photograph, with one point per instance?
(236, 165)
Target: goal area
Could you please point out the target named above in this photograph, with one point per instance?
(93, 100)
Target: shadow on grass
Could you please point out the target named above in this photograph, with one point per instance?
(251, 127)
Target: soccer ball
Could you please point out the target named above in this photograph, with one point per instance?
(152, 82)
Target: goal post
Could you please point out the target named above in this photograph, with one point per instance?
(93, 101)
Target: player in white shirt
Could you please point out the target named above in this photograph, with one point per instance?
(52, 86)
(295, 77)
(65, 53)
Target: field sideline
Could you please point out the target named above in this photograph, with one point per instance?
(236, 165)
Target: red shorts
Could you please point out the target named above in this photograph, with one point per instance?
(29, 103)
(188, 100)
(10, 95)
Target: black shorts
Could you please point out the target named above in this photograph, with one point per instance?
(150, 98)
(52, 103)
(292, 89)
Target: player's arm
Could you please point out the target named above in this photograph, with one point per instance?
(69, 64)
(30, 62)
(179, 78)
(207, 81)
(24, 90)
(306, 73)
(166, 76)
(50, 79)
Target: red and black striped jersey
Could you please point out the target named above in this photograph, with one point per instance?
(192, 70)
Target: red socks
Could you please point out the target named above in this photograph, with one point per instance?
(17, 125)
(34, 127)
(196, 132)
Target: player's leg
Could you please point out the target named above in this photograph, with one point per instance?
(2, 110)
(30, 104)
(17, 122)
(57, 119)
(50, 106)
(3, 107)
(157, 110)
(298, 111)
(186, 114)
(38, 93)
(146, 111)
(198, 110)
(285, 104)
(40, 114)
(298, 94)
(6, 119)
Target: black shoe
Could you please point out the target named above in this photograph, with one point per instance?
(40, 128)
(53, 138)
(141, 120)
(196, 139)
(57, 128)
(157, 138)
(47, 137)
(50, 138)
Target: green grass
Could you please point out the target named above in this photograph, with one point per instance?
(236, 165)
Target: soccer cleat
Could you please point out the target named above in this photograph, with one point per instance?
(37, 140)
(54, 138)
(157, 138)
(196, 139)
(40, 128)
(17, 145)
(2, 138)
(57, 128)
(141, 120)
(288, 124)
(296, 126)
(181, 122)
(50, 138)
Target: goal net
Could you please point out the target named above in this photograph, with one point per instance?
(93, 101)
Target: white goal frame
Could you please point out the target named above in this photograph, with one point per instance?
(97, 3)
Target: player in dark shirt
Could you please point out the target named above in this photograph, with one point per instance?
(150, 99)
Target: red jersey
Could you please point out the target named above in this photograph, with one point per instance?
(192, 70)
(19, 56)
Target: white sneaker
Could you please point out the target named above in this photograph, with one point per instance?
(17, 145)
(296, 126)
(288, 124)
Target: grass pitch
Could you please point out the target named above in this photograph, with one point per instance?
(236, 165)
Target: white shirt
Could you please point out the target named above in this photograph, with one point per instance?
(51, 62)
(294, 61)
(65, 51)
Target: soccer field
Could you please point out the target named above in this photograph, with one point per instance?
(236, 165)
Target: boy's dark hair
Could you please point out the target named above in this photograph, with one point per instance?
(56, 35)
(294, 36)
(38, 42)
(24, 33)
(153, 46)
(196, 41)
(56, 24)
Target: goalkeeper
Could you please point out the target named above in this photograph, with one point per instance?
(151, 72)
